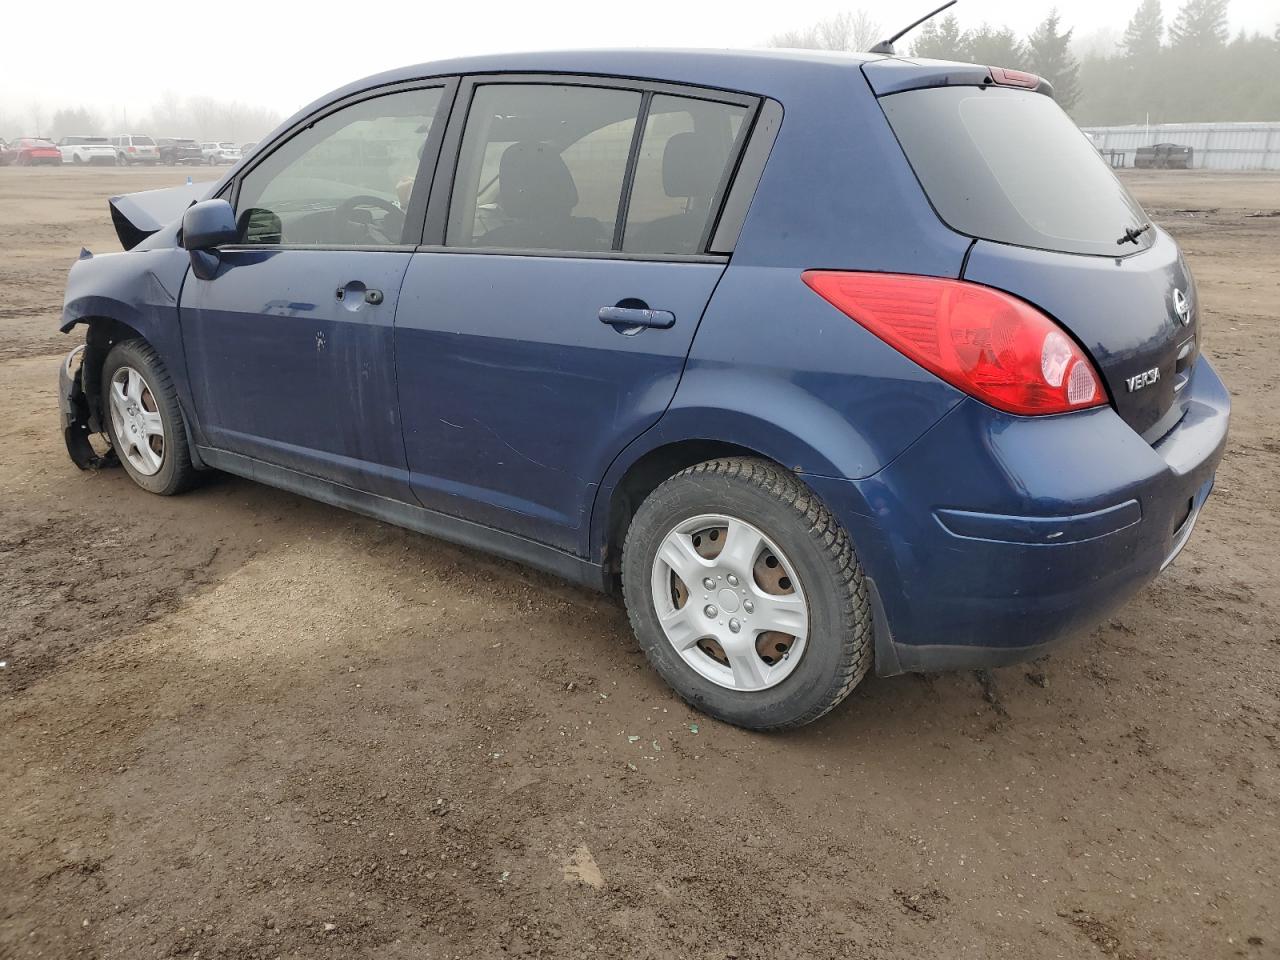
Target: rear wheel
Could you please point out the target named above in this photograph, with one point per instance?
(746, 595)
(144, 419)
(75, 158)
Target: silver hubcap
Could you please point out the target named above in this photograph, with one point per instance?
(136, 426)
(730, 603)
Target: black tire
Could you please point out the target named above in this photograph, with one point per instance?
(75, 158)
(839, 650)
(176, 472)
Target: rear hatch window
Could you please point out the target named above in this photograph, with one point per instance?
(1011, 166)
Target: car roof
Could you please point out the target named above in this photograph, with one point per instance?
(756, 70)
(675, 65)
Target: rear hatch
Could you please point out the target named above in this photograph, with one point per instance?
(1053, 225)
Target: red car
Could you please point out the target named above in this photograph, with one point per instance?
(30, 151)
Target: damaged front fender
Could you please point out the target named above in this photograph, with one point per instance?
(79, 421)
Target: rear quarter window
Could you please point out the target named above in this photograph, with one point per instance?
(1011, 166)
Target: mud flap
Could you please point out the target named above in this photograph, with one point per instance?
(77, 419)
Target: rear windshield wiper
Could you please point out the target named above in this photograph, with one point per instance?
(1133, 233)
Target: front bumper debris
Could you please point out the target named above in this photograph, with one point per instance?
(78, 420)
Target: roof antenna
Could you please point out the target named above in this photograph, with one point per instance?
(886, 46)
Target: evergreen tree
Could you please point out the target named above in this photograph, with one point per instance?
(940, 40)
(993, 48)
(1049, 53)
(1143, 36)
(1201, 25)
(74, 122)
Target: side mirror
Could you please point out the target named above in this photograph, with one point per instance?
(205, 226)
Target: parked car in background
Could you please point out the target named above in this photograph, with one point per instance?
(864, 389)
(35, 151)
(179, 150)
(134, 148)
(248, 148)
(87, 150)
(224, 152)
(1164, 156)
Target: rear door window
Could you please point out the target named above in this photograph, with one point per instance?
(1011, 166)
(680, 171)
(542, 167)
(545, 166)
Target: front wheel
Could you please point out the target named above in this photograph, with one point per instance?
(746, 594)
(144, 419)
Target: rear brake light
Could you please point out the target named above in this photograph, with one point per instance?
(133, 149)
(1014, 78)
(989, 344)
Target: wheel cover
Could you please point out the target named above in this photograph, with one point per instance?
(137, 429)
(730, 603)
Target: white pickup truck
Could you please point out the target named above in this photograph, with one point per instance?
(87, 150)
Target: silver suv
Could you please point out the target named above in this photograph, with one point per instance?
(134, 148)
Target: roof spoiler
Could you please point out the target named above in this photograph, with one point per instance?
(895, 76)
(137, 216)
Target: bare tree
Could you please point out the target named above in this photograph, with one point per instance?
(37, 118)
(205, 118)
(854, 31)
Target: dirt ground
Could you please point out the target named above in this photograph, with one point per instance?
(239, 724)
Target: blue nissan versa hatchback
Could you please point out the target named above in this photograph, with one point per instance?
(827, 361)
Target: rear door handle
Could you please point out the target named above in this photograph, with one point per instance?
(635, 317)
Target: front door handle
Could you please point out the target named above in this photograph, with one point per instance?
(357, 289)
(633, 318)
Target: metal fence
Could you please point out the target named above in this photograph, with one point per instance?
(1217, 146)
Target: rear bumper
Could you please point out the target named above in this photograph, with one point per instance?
(994, 537)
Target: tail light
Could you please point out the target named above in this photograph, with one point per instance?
(989, 344)
(133, 150)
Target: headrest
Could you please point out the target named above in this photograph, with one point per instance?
(691, 165)
(533, 182)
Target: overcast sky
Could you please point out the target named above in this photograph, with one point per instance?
(112, 54)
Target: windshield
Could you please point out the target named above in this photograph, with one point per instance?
(1010, 166)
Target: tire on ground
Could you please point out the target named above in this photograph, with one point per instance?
(176, 472)
(838, 650)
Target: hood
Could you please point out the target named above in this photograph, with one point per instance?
(137, 216)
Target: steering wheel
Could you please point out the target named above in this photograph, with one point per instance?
(391, 227)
